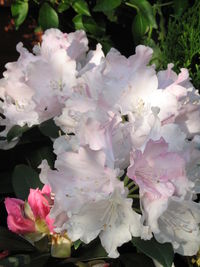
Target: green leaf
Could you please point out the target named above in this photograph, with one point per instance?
(78, 22)
(13, 242)
(92, 251)
(77, 244)
(49, 129)
(63, 6)
(48, 17)
(133, 259)
(23, 179)
(92, 27)
(106, 5)
(163, 253)
(139, 27)
(81, 7)
(16, 131)
(36, 156)
(146, 9)
(24, 260)
(19, 10)
(180, 6)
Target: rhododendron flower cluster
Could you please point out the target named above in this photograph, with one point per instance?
(120, 121)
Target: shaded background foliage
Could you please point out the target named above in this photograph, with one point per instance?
(171, 28)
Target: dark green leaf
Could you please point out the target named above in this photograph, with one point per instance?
(63, 6)
(146, 9)
(49, 128)
(81, 7)
(6, 183)
(23, 179)
(137, 260)
(92, 251)
(19, 10)
(92, 27)
(35, 157)
(180, 6)
(24, 260)
(48, 17)
(13, 242)
(16, 131)
(163, 253)
(139, 27)
(106, 5)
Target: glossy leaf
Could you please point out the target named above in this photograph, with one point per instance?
(49, 129)
(23, 179)
(19, 10)
(163, 253)
(81, 7)
(139, 27)
(133, 259)
(78, 22)
(106, 5)
(92, 27)
(63, 6)
(16, 131)
(13, 242)
(48, 17)
(146, 9)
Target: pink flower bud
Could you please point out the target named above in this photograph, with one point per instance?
(39, 202)
(16, 220)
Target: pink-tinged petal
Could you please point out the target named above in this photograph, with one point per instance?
(16, 221)
(157, 170)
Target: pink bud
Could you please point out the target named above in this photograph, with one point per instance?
(16, 220)
(39, 202)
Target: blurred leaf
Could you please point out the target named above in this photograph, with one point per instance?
(146, 9)
(139, 27)
(63, 6)
(81, 7)
(180, 6)
(24, 260)
(16, 131)
(133, 259)
(49, 129)
(78, 22)
(111, 15)
(48, 17)
(92, 27)
(13, 242)
(6, 183)
(23, 179)
(106, 5)
(163, 253)
(36, 156)
(19, 10)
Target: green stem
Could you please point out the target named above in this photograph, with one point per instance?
(132, 5)
(164, 4)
